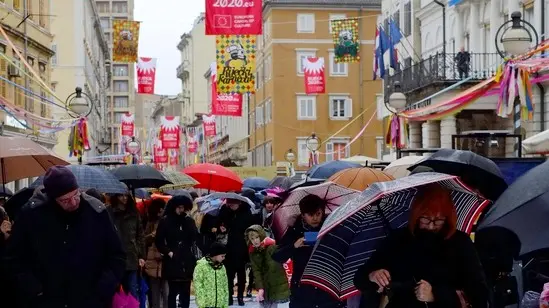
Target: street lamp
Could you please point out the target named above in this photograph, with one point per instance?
(397, 99)
(147, 158)
(79, 103)
(290, 156)
(313, 144)
(516, 36)
(133, 148)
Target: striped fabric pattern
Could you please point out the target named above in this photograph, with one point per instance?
(352, 232)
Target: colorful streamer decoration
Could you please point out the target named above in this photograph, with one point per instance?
(235, 58)
(125, 40)
(346, 36)
(78, 139)
(396, 136)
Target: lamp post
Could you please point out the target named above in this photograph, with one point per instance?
(290, 158)
(313, 144)
(396, 103)
(147, 158)
(79, 104)
(133, 148)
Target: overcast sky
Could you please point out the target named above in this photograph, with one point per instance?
(162, 24)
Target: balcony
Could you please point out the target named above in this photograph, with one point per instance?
(438, 71)
(183, 70)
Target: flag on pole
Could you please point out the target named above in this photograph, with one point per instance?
(394, 37)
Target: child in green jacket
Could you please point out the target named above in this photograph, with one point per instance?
(270, 276)
(210, 279)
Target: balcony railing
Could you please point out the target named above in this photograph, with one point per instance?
(182, 71)
(441, 69)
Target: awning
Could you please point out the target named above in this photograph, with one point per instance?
(537, 144)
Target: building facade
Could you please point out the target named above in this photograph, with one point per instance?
(82, 60)
(144, 122)
(33, 40)
(121, 97)
(428, 65)
(281, 115)
(197, 53)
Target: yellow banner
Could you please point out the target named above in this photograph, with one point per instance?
(125, 40)
(235, 56)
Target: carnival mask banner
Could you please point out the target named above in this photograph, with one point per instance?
(224, 104)
(146, 75)
(127, 125)
(169, 132)
(160, 155)
(125, 40)
(192, 144)
(173, 157)
(346, 40)
(235, 58)
(209, 125)
(234, 17)
(313, 72)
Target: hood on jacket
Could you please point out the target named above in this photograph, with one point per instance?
(265, 241)
(175, 202)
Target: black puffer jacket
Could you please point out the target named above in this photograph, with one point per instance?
(130, 228)
(236, 223)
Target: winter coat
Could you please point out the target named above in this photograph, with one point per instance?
(129, 226)
(302, 296)
(74, 260)
(176, 234)
(153, 261)
(269, 275)
(449, 265)
(7, 287)
(236, 223)
(208, 237)
(210, 284)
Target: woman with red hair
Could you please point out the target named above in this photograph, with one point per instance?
(428, 263)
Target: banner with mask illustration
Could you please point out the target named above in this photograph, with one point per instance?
(235, 59)
(209, 125)
(169, 132)
(346, 39)
(146, 73)
(125, 37)
(313, 74)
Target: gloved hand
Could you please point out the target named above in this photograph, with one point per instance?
(260, 295)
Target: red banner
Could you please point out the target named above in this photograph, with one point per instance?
(146, 72)
(169, 132)
(127, 124)
(160, 155)
(234, 17)
(192, 145)
(313, 71)
(209, 125)
(174, 157)
(226, 104)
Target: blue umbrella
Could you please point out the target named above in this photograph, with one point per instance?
(142, 193)
(327, 169)
(213, 205)
(93, 177)
(256, 183)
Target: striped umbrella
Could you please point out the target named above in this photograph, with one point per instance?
(352, 232)
(179, 180)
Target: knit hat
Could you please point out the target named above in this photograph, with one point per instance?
(217, 249)
(59, 180)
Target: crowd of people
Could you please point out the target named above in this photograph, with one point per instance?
(70, 248)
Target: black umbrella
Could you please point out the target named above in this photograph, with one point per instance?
(306, 182)
(140, 176)
(524, 209)
(476, 171)
(17, 201)
(5, 192)
(283, 182)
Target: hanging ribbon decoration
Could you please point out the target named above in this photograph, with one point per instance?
(78, 139)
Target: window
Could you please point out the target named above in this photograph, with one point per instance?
(105, 23)
(120, 70)
(407, 18)
(42, 13)
(17, 5)
(335, 17)
(341, 107)
(305, 23)
(337, 149)
(54, 57)
(121, 102)
(120, 7)
(306, 107)
(303, 153)
(337, 69)
(268, 111)
(259, 77)
(118, 117)
(268, 67)
(259, 116)
(102, 6)
(301, 56)
(268, 154)
(120, 86)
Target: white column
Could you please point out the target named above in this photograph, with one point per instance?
(415, 134)
(495, 22)
(513, 6)
(474, 27)
(510, 142)
(459, 29)
(431, 134)
(537, 17)
(447, 129)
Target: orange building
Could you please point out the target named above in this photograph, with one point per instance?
(281, 115)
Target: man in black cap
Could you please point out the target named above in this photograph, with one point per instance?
(64, 250)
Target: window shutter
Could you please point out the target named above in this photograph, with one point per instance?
(329, 150)
(330, 108)
(349, 107)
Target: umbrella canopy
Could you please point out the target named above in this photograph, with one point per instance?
(142, 193)
(363, 160)
(306, 182)
(207, 204)
(286, 214)
(399, 168)
(283, 182)
(256, 183)
(214, 177)
(140, 176)
(356, 229)
(23, 158)
(92, 177)
(179, 180)
(524, 209)
(5, 192)
(359, 178)
(477, 171)
(17, 201)
(327, 169)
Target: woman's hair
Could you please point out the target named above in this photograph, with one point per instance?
(131, 206)
(154, 208)
(433, 199)
(310, 204)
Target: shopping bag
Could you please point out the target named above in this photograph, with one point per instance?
(124, 300)
(544, 298)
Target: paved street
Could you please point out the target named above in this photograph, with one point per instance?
(250, 303)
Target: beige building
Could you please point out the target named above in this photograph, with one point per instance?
(122, 91)
(197, 53)
(81, 60)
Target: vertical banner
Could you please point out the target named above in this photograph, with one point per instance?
(235, 58)
(234, 17)
(313, 72)
(346, 40)
(209, 125)
(224, 104)
(160, 155)
(125, 35)
(192, 144)
(169, 132)
(127, 125)
(173, 157)
(146, 75)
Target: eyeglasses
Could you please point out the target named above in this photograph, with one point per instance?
(438, 222)
(69, 199)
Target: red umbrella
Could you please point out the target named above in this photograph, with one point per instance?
(214, 177)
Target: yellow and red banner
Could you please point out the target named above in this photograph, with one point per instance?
(125, 40)
(235, 58)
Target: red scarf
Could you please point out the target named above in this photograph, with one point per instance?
(264, 244)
